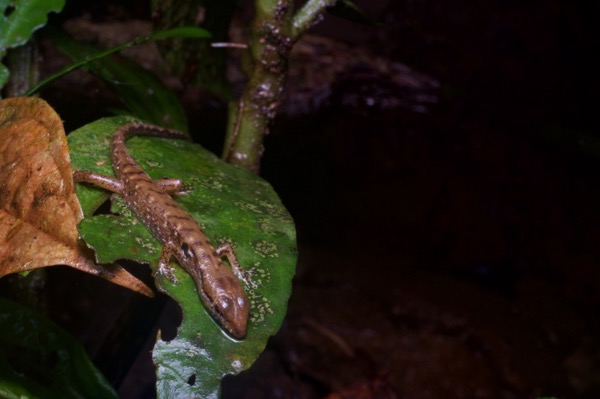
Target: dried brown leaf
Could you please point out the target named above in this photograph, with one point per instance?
(39, 211)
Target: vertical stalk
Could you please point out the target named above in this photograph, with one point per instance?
(23, 63)
(275, 29)
(267, 56)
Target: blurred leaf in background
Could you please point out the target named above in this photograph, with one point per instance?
(144, 95)
(39, 360)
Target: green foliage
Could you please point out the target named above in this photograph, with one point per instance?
(140, 90)
(232, 206)
(18, 20)
(40, 360)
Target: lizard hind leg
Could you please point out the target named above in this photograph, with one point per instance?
(173, 186)
(163, 265)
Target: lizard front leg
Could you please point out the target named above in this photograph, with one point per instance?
(227, 251)
(106, 182)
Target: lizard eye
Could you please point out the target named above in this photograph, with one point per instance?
(187, 251)
(225, 303)
(241, 301)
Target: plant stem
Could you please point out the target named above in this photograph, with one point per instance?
(310, 14)
(275, 29)
(23, 62)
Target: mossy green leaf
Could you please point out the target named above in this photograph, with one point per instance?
(232, 206)
(40, 360)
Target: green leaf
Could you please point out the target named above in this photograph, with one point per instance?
(40, 360)
(141, 91)
(18, 20)
(232, 205)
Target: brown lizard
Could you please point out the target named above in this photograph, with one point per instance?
(180, 235)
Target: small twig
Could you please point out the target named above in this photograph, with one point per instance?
(229, 45)
(326, 332)
(309, 15)
(234, 133)
(238, 120)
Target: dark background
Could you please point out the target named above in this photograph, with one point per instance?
(442, 172)
(448, 247)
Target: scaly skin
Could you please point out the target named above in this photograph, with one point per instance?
(181, 236)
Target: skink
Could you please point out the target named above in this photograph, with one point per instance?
(181, 236)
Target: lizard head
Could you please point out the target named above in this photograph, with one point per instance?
(229, 304)
(219, 289)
